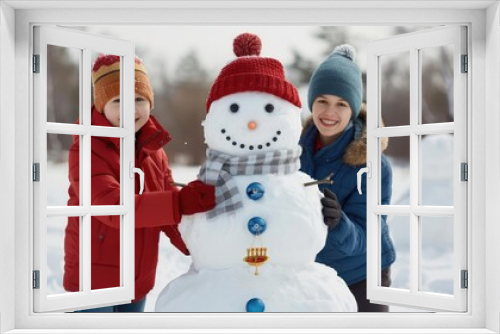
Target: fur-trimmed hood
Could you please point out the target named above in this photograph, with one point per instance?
(355, 153)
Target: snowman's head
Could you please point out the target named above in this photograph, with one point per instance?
(252, 122)
(251, 107)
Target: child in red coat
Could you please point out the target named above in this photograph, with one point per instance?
(160, 206)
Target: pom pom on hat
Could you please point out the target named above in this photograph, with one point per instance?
(247, 45)
(106, 80)
(340, 76)
(252, 73)
(345, 50)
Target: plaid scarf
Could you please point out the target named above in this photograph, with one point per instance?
(219, 169)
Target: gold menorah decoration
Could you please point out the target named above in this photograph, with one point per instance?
(256, 256)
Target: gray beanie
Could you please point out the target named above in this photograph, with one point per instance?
(338, 75)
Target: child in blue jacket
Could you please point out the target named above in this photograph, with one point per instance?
(335, 142)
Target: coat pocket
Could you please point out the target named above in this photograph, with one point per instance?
(106, 246)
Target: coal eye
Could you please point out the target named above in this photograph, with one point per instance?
(269, 107)
(234, 107)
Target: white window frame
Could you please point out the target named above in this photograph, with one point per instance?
(483, 313)
(412, 44)
(86, 44)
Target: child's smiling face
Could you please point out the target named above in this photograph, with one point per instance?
(331, 115)
(142, 111)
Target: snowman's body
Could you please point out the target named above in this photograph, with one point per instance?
(291, 280)
(292, 212)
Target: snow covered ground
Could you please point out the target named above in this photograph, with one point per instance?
(436, 262)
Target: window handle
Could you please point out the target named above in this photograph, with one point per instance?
(366, 170)
(141, 176)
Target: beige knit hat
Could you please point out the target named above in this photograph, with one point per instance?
(106, 80)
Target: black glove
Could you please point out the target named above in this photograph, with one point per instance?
(332, 211)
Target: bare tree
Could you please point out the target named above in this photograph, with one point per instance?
(182, 104)
(302, 68)
(63, 89)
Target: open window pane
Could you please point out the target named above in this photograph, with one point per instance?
(106, 90)
(105, 171)
(395, 88)
(51, 239)
(437, 84)
(107, 111)
(63, 84)
(436, 199)
(437, 255)
(58, 169)
(399, 227)
(399, 158)
(105, 240)
(57, 256)
(437, 160)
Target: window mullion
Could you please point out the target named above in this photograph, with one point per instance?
(414, 170)
(96, 210)
(85, 254)
(80, 129)
(422, 210)
(85, 166)
(127, 190)
(85, 245)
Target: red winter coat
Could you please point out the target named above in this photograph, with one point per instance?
(156, 210)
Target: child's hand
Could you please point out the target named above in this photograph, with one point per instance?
(332, 211)
(196, 197)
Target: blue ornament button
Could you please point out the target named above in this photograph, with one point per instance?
(257, 225)
(255, 305)
(255, 190)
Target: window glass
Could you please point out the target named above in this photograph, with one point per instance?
(106, 87)
(398, 154)
(395, 88)
(57, 262)
(106, 156)
(437, 174)
(437, 255)
(59, 186)
(105, 248)
(437, 84)
(105, 171)
(63, 85)
(399, 227)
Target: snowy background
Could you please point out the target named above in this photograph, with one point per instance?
(437, 243)
(183, 62)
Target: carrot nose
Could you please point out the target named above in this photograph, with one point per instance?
(252, 125)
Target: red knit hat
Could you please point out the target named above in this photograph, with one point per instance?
(249, 72)
(106, 80)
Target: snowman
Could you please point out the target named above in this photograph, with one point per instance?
(255, 251)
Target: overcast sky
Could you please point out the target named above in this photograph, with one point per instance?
(213, 44)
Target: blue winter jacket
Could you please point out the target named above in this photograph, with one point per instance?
(345, 248)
